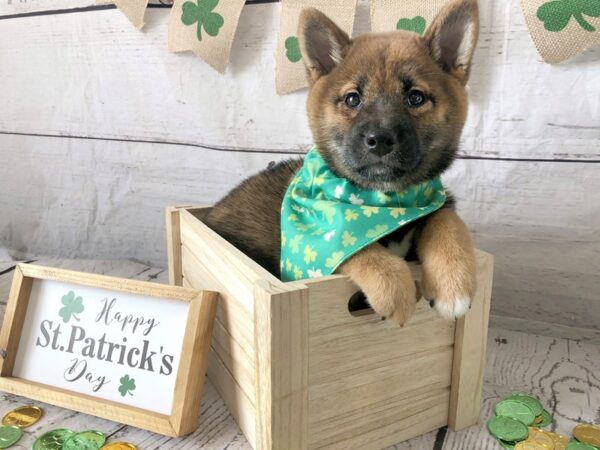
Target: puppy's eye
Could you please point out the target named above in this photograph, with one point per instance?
(416, 98)
(352, 100)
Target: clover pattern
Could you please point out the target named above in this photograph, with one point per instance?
(292, 49)
(201, 13)
(127, 385)
(325, 220)
(72, 306)
(416, 24)
(557, 14)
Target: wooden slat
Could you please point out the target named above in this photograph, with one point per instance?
(173, 229)
(357, 388)
(281, 342)
(240, 406)
(230, 313)
(239, 363)
(403, 423)
(237, 272)
(469, 351)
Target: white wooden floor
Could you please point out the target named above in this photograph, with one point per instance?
(563, 373)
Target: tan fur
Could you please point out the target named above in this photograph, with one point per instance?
(386, 281)
(446, 250)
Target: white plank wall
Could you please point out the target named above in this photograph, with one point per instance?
(101, 128)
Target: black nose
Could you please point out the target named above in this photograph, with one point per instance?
(380, 143)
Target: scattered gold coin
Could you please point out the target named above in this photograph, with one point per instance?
(23, 416)
(119, 446)
(529, 445)
(587, 433)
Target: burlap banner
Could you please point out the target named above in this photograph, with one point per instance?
(205, 27)
(134, 10)
(290, 72)
(410, 15)
(561, 29)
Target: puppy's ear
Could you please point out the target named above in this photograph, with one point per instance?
(452, 37)
(322, 43)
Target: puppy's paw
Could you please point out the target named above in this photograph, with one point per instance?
(390, 290)
(449, 288)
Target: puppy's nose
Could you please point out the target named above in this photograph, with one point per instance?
(380, 143)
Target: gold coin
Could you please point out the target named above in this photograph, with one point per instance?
(529, 445)
(119, 446)
(560, 441)
(23, 416)
(541, 437)
(587, 433)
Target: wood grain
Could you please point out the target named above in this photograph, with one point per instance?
(470, 339)
(282, 350)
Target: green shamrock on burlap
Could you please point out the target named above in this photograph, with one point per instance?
(556, 14)
(292, 48)
(72, 305)
(416, 24)
(127, 385)
(202, 13)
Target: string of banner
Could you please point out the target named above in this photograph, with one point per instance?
(560, 29)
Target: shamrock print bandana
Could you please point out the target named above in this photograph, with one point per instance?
(326, 219)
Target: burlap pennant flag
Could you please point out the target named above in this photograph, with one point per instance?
(290, 72)
(134, 10)
(561, 29)
(410, 15)
(205, 27)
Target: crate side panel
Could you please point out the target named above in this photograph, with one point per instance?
(355, 390)
(227, 280)
(230, 313)
(380, 429)
(235, 359)
(237, 402)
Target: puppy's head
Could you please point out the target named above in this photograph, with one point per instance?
(387, 109)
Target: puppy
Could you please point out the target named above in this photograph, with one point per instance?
(386, 112)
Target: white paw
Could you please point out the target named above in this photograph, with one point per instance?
(453, 309)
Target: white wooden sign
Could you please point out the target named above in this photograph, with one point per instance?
(70, 338)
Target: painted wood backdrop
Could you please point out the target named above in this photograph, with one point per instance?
(101, 128)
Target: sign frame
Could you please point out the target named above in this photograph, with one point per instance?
(191, 370)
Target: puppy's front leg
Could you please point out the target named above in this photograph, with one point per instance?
(446, 251)
(386, 281)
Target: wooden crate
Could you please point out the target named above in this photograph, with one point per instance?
(298, 371)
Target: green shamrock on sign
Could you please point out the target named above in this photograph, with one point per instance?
(292, 48)
(202, 13)
(127, 385)
(73, 305)
(416, 24)
(557, 14)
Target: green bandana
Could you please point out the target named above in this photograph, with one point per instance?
(326, 219)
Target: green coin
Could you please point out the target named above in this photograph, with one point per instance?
(52, 440)
(507, 429)
(533, 403)
(506, 445)
(86, 440)
(574, 445)
(9, 435)
(546, 420)
(515, 410)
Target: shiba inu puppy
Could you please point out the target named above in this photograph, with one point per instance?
(386, 111)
